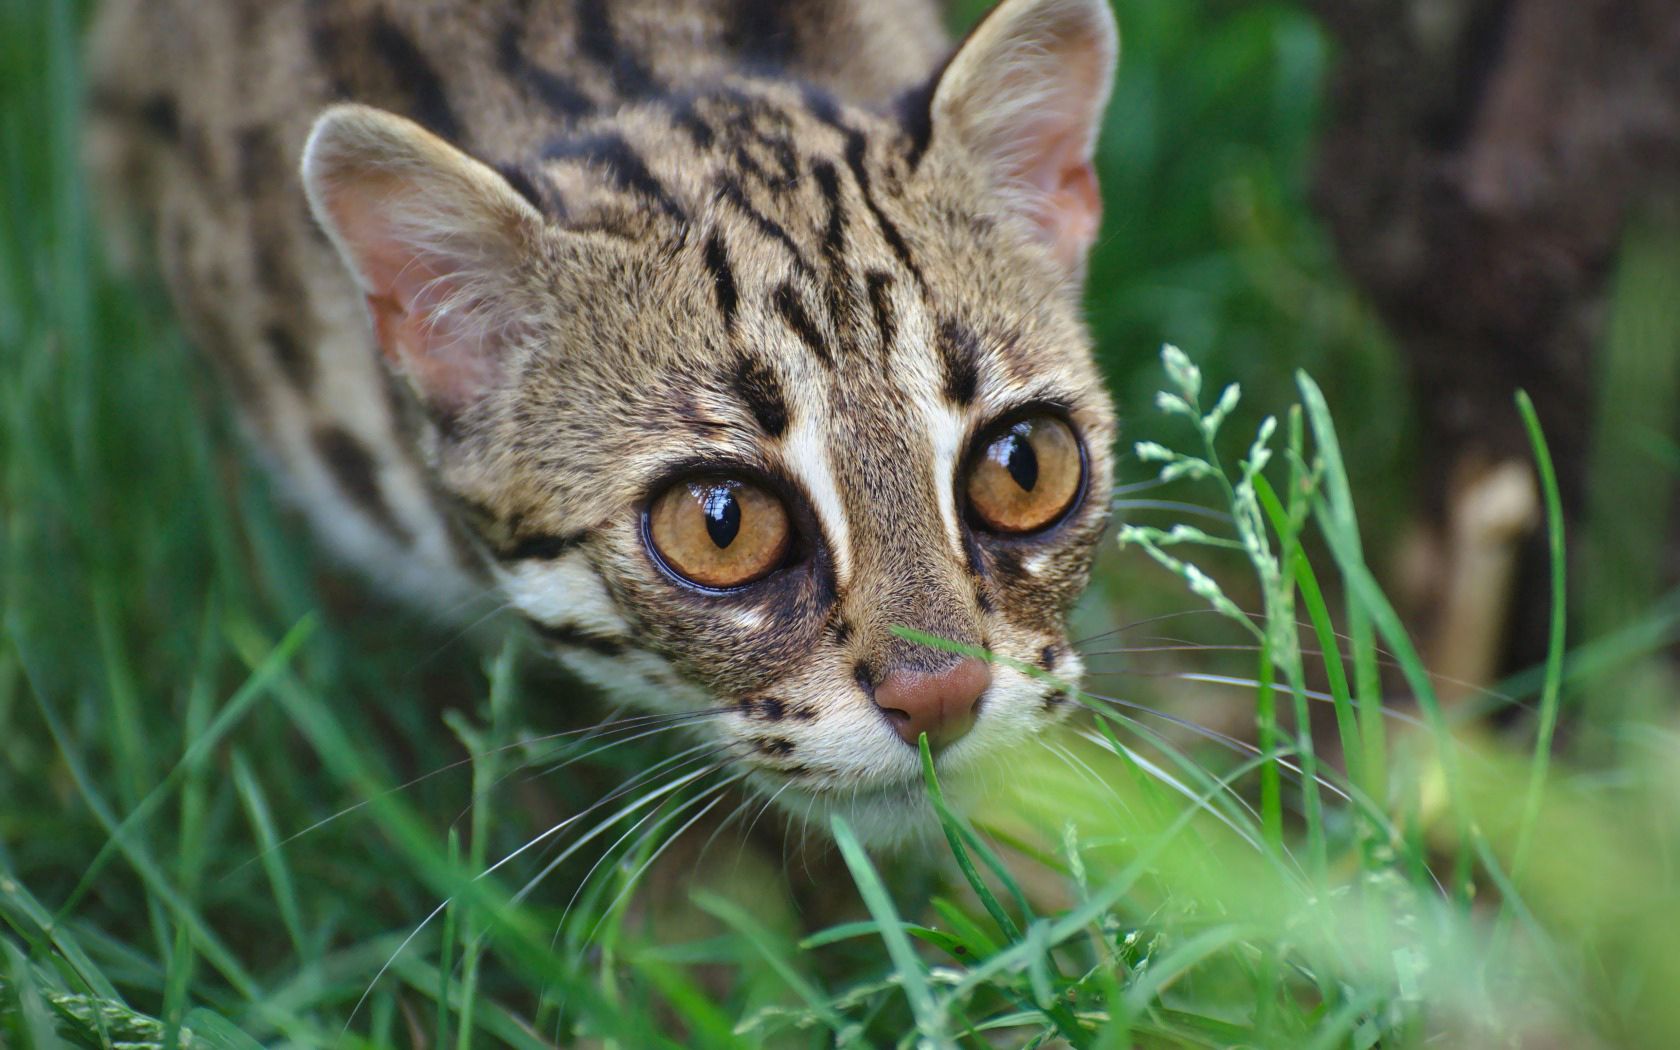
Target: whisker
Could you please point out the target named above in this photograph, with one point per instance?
(1186, 509)
(601, 728)
(1170, 644)
(1234, 743)
(716, 794)
(1224, 783)
(1386, 707)
(492, 869)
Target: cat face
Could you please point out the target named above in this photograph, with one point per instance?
(741, 391)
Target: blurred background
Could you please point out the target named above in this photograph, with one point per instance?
(1425, 204)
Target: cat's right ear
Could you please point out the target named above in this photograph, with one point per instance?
(1024, 95)
(440, 244)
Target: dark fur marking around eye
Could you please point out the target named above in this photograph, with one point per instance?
(416, 77)
(1008, 566)
(598, 42)
(555, 91)
(879, 288)
(792, 308)
(623, 165)
(959, 356)
(578, 638)
(540, 547)
(731, 192)
(295, 363)
(357, 474)
(755, 383)
(723, 279)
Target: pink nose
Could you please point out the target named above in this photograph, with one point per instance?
(941, 704)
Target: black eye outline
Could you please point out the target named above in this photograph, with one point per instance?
(799, 549)
(982, 441)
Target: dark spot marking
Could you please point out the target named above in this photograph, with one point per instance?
(258, 159)
(840, 630)
(804, 713)
(598, 42)
(357, 474)
(416, 77)
(792, 308)
(755, 383)
(1047, 658)
(294, 361)
(760, 31)
(578, 638)
(623, 166)
(542, 547)
(1056, 699)
(556, 92)
(879, 288)
(521, 184)
(723, 279)
(162, 115)
(915, 114)
(775, 746)
(685, 114)
(766, 707)
(959, 355)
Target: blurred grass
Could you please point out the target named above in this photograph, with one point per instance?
(202, 841)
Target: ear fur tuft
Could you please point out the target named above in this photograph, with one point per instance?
(439, 242)
(1025, 93)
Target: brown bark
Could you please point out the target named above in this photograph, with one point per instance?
(1481, 161)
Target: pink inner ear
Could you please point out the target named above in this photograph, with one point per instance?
(1068, 208)
(444, 345)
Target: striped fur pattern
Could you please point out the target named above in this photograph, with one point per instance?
(733, 233)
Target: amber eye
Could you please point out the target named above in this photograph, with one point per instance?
(1024, 476)
(719, 532)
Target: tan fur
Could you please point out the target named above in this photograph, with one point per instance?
(645, 237)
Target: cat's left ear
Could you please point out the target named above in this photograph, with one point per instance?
(1025, 94)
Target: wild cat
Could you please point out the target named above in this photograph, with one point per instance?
(717, 338)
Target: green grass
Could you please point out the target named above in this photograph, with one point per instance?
(231, 795)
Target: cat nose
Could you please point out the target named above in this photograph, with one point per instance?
(941, 704)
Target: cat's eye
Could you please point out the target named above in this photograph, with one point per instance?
(719, 532)
(1025, 475)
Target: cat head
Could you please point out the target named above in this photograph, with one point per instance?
(745, 392)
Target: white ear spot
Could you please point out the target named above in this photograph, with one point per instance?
(439, 243)
(1025, 94)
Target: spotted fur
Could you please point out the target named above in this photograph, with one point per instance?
(788, 238)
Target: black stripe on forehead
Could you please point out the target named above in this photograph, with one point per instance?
(756, 384)
(723, 279)
(879, 285)
(730, 191)
(623, 165)
(791, 307)
(959, 359)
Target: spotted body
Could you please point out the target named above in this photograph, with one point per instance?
(486, 279)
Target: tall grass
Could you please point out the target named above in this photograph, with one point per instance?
(228, 818)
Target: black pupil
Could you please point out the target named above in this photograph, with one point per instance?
(723, 515)
(1015, 454)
